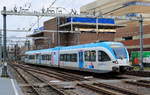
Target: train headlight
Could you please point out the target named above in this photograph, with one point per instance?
(115, 62)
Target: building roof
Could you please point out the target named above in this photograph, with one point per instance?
(90, 25)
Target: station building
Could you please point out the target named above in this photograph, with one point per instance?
(128, 35)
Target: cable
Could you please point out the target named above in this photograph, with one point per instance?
(41, 16)
(52, 4)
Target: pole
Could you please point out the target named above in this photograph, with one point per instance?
(0, 46)
(28, 44)
(38, 21)
(141, 43)
(58, 35)
(97, 29)
(71, 24)
(4, 36)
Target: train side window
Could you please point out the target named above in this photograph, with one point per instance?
(90, 55)
(31, 57)
(43, 57)
(102, 56)
(93, 55)
(49, 57)
(86, 55)
(27, 57)
(46, 57)
(68, 57)
(73, 57)
(61, 57)
(36, 56)
(65, 57)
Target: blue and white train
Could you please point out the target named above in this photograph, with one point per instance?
(101, 57)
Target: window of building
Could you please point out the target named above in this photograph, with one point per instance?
(90, 55)
(102, 56)
(127, 38)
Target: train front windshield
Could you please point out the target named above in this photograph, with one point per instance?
(120, 52)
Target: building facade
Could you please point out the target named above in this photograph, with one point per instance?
(78, 31)
(56, 30)
(129, 35)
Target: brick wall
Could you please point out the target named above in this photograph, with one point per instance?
(131, 31)
(134, 31)
(50, 24)
(66, 39)
(93, 37)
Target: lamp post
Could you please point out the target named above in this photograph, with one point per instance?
(141, 42)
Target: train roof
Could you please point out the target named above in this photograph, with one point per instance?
(102, 44)
(90, 45)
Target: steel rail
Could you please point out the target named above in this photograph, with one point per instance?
(42, 80)
(26, 80)
(122, 90)
(63, 76)
(99, 89)
(138, 83)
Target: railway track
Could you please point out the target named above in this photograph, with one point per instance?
(115, 88)
(139, 73)
(143, 83)
(64, 76)
(36, 89)
(70, 76)
(100, 88)
(107, 89)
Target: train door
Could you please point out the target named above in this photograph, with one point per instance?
(54, 60)
(104, 61)
(38, 59)
(81, 61)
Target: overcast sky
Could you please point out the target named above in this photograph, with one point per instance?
(15, 22)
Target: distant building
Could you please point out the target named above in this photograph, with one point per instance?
(84, 30)
(129, 35)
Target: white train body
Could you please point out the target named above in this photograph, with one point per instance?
(100, 57)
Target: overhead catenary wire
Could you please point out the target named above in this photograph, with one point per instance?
(39, 18)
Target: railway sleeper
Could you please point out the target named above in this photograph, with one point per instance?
(34, 87)
(55, 74)
(45, 73)
(66, 76)
(122, 90)
(144, 81)
(100, 89)
(37, 84)
(138, 83)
